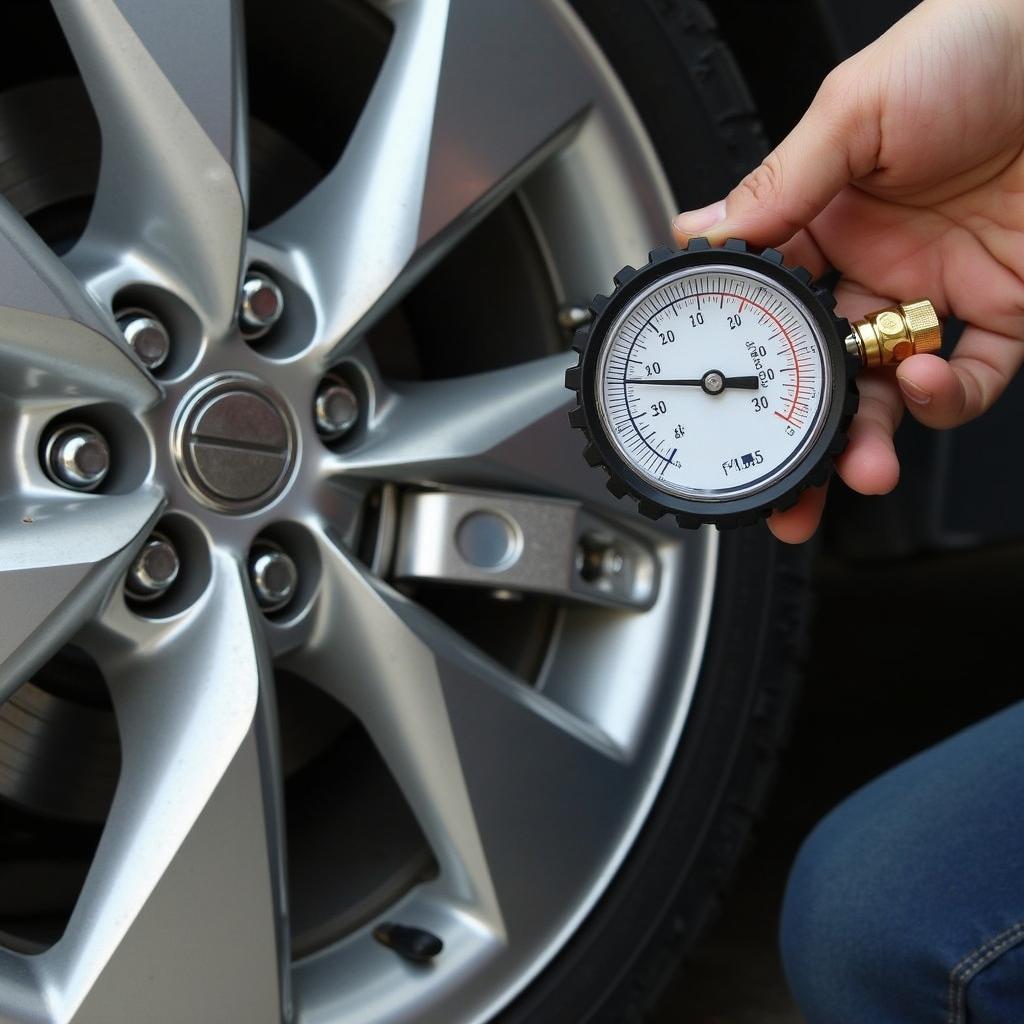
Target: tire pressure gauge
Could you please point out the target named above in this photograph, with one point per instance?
(716, 384)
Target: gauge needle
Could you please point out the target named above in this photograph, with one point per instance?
(743, 383)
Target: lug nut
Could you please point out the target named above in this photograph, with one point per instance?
(597, 559)
(154, 570)
(77, 457)
(336, 408)
(262, 305)
(148, 337)
(274, 577)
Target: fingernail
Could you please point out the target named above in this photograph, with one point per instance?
(696, 221)
(913, 392)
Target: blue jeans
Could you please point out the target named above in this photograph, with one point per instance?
(906, 904)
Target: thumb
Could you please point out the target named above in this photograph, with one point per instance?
(834, 143)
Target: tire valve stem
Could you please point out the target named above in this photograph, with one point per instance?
(415, 944)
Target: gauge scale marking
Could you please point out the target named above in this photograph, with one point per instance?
(712, 383)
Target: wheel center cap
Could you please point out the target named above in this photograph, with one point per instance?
(234, 443)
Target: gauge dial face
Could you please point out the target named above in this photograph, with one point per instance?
(713, 383)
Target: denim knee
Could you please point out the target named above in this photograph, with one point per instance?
(907, 893)
(850, 937)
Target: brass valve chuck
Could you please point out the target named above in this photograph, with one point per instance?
(894, 334)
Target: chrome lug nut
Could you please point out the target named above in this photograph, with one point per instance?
(148, 337)
(77, 457)
(262, 305)
(155, 568)
(274, 577)
(336, 408)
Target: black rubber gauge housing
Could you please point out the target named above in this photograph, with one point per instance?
(813, 466)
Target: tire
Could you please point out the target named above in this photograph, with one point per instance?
(680, 74)
(606, 837)
(670, 887)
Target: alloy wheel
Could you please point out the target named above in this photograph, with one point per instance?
(274, 503)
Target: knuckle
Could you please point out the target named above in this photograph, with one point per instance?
(981, 382)
(764, 183)
(836, 87)
(876, 411)
(971, 401)
(841, 104)
(848, 86)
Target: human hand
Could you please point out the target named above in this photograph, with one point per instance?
(907, 174)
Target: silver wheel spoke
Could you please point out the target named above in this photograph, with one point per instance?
(168, 88)
(184, 877)
(58, 560)
(504, 429)
(204, 946)
(472, 95)
(486, 764)
(54, 340)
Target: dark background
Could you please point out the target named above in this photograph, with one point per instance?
(916, 593)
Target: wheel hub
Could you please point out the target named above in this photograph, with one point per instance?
(234, 443)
